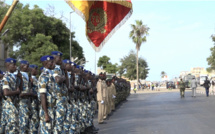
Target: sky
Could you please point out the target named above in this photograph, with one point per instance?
(179, 36)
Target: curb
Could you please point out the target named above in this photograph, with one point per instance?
(203, 92)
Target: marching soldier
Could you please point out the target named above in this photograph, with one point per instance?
(24, 102)
(182, 87)
(34, 117)
(46, 96)
(11, 89)
(61, 92)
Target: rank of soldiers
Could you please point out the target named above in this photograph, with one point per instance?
(62, 100)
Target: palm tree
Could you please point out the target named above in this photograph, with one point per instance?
(138, 35)
(163, 74)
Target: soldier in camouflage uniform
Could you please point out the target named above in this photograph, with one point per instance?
(83, 99)
(34, 117)
(70, 120)
(1, 99)
(93, 101)
(11, 88)
(74, 126)
(46, 96)
(24, 102)
(61, 125)
(77, 75)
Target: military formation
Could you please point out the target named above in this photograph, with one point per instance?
(62, 100)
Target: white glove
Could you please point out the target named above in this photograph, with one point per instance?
(102, 102)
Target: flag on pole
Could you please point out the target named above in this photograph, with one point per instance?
(102, 18)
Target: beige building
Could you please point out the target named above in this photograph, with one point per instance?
(196, 71)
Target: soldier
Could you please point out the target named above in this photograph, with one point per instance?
(68, 123)
(74, 127)
(105, 96)
(78, 103)
(1, 95)
(100, 99)
(61, 92)
(113, 92)
(11, 89)
(46, 96)
(92, 102)
(24, 102)
(182, 87)
(34, 117)
(109, 90)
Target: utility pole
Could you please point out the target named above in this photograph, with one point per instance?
(70, 37)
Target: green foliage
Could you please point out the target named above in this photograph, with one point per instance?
(138, 33)
(163, 74)
(128, 67)
(211, 60)
(105, 64)
(35, 34)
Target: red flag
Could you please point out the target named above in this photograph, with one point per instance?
(102, 18)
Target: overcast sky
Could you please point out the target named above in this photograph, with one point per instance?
(179, 36)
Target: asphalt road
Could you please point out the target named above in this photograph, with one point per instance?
(162, 113)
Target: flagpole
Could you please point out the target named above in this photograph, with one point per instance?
(10, 10)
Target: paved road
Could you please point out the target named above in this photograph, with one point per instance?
(163, 113)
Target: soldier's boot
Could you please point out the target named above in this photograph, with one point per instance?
(90, 130)
(94, 128)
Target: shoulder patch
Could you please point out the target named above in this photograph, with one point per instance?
(43, 86)
(5, 83)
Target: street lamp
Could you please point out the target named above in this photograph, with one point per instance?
(5, 32)
(79, 60)
(70, 44)
(82, 62)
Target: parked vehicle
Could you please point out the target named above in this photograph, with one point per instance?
(171, 85)
(202, 79)
(187, 79)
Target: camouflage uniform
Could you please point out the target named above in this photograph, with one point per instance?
(72, 109)
(61, 125)
(34, 117)
(76, 123)
(10, 105)
(1, 110)
(46, 84)
(24, 111)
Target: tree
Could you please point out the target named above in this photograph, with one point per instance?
(138, 35)
(105, 64)
(29, 25)
(128, 67)
(163, 74)
(211, 58)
